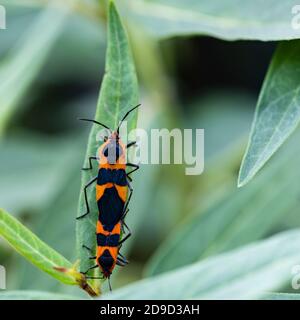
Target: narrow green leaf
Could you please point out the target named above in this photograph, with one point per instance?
(278, 110)
(226, 19)
(59, 207)
(32, 248)
(243, 216)
(119, 92)
(22, 64)
(34, 295)
(246, 273)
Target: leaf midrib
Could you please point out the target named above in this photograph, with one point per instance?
(263, 153)
(119, 68)
(32, 248)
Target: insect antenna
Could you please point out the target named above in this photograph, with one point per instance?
(96, 122)
(126, 115)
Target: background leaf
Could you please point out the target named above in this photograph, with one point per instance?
(226, 19)
(119, 92)
(234, 219)
(278, 110)
(60, 205)
(34, 295)
(42, 160)
(32, 248)
(18, 71)
(246, 273)
(187, 81)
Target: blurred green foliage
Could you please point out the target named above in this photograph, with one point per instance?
(177, 220)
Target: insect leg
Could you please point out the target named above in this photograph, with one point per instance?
(109, 284)
(91, 268)
(121, 263)
(127, 236)
(87, 248)
(130, 187)
(130, 144)
(124, 215)
(90, 251)
(90, 163)
(122, 258)
(86, 200)
(136, 167)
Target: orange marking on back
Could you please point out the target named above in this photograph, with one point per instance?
(122, 192)
(113, 250)
(115, 230)
(101, 188)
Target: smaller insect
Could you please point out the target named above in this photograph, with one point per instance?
(108, 250)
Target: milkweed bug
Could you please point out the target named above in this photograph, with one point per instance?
(112, 179)
(108, 250)
(111, 196)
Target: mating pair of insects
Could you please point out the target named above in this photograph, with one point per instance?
(112, 197)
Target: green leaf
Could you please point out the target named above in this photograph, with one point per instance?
(40, 162)
(119, 92)
(22, 64)
(246, 273)
(243, 216)
(278, 110)
(33, 249)
(80, 50)
(59, 207)
(34, 295)
(227, 19)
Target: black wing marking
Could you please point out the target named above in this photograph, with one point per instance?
(111, 208)
(108, 241)
(116, 176)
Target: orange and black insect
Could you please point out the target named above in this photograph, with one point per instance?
(111, 196)
(112, 179)
(108, 250)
